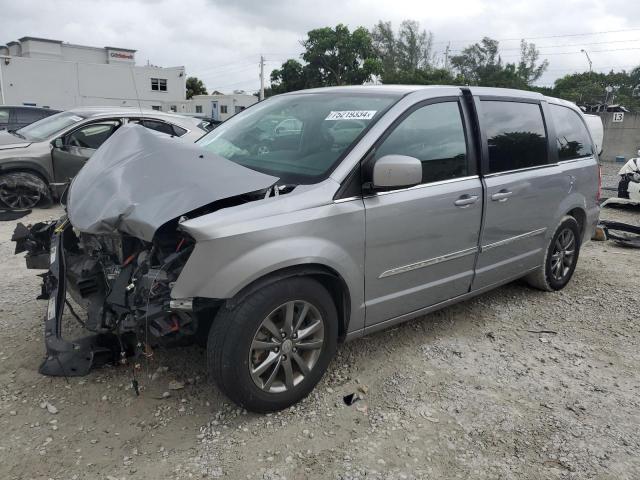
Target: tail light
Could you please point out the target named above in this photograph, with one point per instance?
(599, 192)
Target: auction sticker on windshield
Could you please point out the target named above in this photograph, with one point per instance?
(351, 115)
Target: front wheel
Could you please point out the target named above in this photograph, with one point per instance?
(561, 258)
(269, 351)
(22, 190)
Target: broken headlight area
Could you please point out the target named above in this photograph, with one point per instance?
(123, 285)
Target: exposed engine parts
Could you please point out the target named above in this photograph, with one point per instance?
(123, 285)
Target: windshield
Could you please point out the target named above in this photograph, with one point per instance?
(298, 138)
(45, 128)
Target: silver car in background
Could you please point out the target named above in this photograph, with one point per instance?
(51, 151)
(271, 247)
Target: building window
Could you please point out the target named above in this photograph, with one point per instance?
(239, 108)
(198, 108)
(223, 109)
(173, 108)
(159, 84)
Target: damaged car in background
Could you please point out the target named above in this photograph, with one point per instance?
(38, 160)
(271, 245)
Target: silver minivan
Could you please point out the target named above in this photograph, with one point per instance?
(270, 248)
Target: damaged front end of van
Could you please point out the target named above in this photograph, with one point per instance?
(122, 246)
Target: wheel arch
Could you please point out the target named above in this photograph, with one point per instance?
(325, 275)
(25, 166)
(581, 217)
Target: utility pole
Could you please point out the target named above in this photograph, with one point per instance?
(446, 57)
(261, 97)
(588, 59)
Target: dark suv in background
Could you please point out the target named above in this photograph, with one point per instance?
(14, 117)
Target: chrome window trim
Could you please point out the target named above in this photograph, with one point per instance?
(517, 170)
(574, 160)
(424, 185)
(428, 263)
(347, 199)
(506, 241)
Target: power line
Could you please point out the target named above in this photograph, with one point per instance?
(602, 67)
(577, 44)
(578, 51)
(543, 37)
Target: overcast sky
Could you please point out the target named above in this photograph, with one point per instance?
(221, 41)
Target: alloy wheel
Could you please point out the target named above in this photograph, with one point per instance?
(19, 197)
(564, 251)
(286, 346)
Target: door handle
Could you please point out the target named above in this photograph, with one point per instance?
(466, 200)
(501, 196)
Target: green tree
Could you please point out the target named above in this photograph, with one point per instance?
(195, 86)
(407, 57)
(289, 77)
(589, 88)
(333, 56)
(528, 69)
(481, 64)
(339, 57)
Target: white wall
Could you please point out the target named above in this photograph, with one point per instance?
(230, 101)
(78, 53)
(64, 85)
(39, 49)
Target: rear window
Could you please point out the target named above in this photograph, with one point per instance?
(516, 135)
(572, 137)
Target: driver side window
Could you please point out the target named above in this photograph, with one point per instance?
(433, 134)
(92, 135)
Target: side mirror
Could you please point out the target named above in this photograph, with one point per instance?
(397, 171)
(58, 143)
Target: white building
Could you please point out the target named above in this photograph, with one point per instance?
(218, 106)
(43, 72)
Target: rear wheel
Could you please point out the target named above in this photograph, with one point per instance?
(560, 259)
(269, 351)
(22, 190)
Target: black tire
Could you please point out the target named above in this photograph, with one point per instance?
(23, 190)
(233, 331)
(543, 278)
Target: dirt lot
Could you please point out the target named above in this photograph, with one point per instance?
(472, 391)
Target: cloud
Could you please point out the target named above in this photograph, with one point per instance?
(221, 41)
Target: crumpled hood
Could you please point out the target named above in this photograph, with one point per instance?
(11, 141)
(137, 181)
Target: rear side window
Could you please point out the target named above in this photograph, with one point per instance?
(158, 126)
(572, 136)
(27, 115)
(4, 115)
(179, 131)
(515, 135)
(434, 135)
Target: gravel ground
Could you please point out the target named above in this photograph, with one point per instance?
(471, 391)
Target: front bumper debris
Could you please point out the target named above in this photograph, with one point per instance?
(122, 284)
(68, 358)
